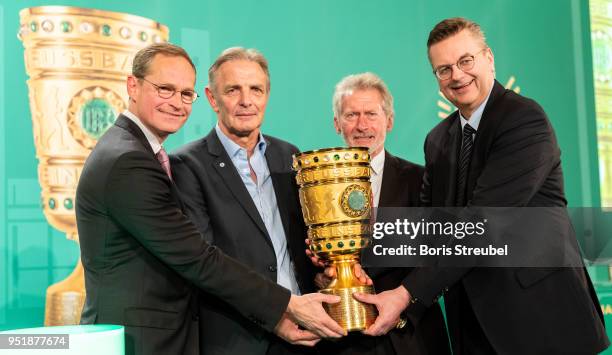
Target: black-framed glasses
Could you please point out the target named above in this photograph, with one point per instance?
(464, 64)
(166, 92)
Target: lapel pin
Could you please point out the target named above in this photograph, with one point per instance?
(222, 164)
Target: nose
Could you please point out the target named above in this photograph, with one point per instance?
(245, 99)
(176, 100)
(456, 73)
(362, 123)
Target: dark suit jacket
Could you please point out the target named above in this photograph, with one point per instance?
(401, 186)
(219, 203)
(142, 256)
(515, 163)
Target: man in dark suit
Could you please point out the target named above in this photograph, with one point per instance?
(363, 114)
(240, 191)
(142, 256)
(498, 149)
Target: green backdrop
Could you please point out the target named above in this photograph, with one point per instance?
(544, 45)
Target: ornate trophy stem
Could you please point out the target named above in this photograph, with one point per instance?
(65, 299)
(335, 198)
(349, 313)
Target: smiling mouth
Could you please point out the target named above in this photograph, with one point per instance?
(462, 86)
(177, 115)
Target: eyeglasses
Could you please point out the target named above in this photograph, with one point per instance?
(464, 64)
(166, 92)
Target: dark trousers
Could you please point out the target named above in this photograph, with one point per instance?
(467, 336)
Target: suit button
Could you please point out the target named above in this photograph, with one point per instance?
(272, 268)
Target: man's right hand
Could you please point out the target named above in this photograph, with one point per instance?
(291, 333)
(307, 311)
(316, 261)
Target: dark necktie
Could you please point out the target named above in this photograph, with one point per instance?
(163, 159)
(465, 156)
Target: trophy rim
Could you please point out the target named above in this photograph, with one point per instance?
(324, 150)
(84, 11)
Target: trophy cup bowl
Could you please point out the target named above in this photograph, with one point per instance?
(77, 61)
(335, 195)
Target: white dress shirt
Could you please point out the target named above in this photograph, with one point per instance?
(377, 166)
(153, 140)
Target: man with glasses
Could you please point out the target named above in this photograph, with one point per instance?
(498, 149)
(142, 256)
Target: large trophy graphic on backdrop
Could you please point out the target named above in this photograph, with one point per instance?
(77, 61)
(335, 197)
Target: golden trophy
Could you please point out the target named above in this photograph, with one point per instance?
(335, 197)
(77, 61)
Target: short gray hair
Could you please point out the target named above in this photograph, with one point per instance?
(362, 81)
(143, 59)
(237, 53)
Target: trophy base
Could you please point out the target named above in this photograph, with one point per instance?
(65, 299)
(351, 314)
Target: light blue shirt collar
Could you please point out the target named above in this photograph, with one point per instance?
(474, 121)
(232, 148)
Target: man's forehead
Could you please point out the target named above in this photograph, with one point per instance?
(360, 96)
(161, 61)
(452, 48)
(170, 68)
(242, 67)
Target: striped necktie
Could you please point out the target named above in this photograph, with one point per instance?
(465, 156)
(164, 160)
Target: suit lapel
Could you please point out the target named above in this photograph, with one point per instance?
(223, 165)
(450, 151)
(484, 134)
(133, 128)
(281, 181)
(390, 178)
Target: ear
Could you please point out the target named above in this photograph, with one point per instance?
(132, 87)
(390, 121)
(211, 99)
(490, 57)
(337, 125)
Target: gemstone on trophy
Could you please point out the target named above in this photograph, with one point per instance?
(86, 27)
(68, 204)
(357, 200)
(47, 26)
(125, 32)
(66, 26)
(106, 30)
